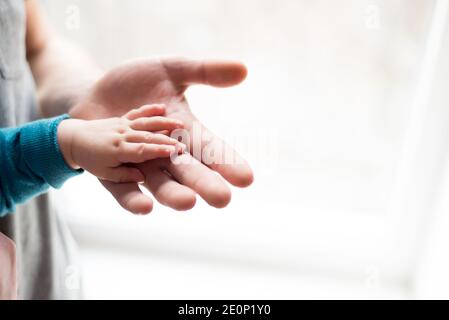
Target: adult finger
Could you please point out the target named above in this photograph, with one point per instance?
(225, 160)
(193, 174)
(166, 190)
(129, 196)
(217, 73)
(123, 174)
(214, 152)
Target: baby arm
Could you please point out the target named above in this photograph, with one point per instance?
(47, 152)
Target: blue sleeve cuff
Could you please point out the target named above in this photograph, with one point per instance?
(39, 143)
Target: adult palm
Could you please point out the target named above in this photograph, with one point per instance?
(165, 81)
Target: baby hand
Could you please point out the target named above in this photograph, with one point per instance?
(105, 147)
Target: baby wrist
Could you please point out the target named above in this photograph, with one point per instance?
(65, 134)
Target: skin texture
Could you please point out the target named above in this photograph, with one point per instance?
(105, 147)
(8, 280)
(67, 77)
(166, 81)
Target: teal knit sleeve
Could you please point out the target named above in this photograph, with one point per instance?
(30, 162)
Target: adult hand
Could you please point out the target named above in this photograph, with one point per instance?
(165, 81)
(8, 281)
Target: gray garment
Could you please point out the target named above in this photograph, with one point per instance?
(43, 241)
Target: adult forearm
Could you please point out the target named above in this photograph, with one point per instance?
(62, 71)
(63, 75)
